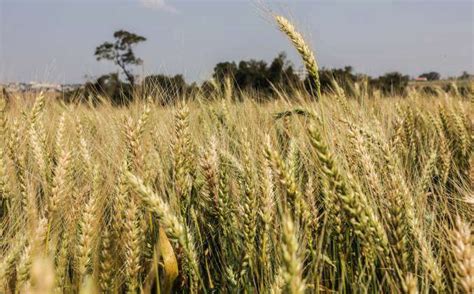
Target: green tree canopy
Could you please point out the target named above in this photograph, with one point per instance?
(393, 83)
(257, 74)
(121, 52)
(431, 76)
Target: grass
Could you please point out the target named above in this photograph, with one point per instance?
(211, 195)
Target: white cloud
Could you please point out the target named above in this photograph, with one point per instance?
(158, 4)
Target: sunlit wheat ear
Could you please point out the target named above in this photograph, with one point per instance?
(397, 212)
(364, 160)
(427, 174)
(341, 97)
(39, 153)
(119, 200)
(18, 159)
(362, 217)
(85, 240)
(444, 158)
(464, 135)
(303, 49)
(412, 221)
(132, 245)
(267, 209)
(455, 130)
(38, 142)
(292, 269)
(134, 134)
(105, 262)
(172, 224)
(209, 163)
(84, 151)
(10, 259)
(38, 108)
(183, 155)
(60, 182)
(287, 180)
(87, 230)
(23, 267)
(60, 135)
(462, 240)
(247, 206)
(62, 261)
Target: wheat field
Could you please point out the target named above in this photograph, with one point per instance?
(369, 195)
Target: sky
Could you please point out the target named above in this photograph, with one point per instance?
(54, 40)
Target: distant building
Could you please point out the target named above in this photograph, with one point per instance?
(421, 79)
(38, 87)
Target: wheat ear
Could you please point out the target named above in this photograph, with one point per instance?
(464, 253)
(303, 49)
(171, 223)
(292, 262)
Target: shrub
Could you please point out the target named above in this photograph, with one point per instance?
(257, 75)
(392, 84)
(105, 87)
(165, 89)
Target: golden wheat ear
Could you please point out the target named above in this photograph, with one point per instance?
(305, 52)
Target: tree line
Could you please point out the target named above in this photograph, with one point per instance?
(245, 75)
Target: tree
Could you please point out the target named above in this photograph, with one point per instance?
(121, 52)
(344, 77)
(252, 74)
(393, 83)
(431, 76)
(168, 89)
(257, 74)
(107, 86)
(465, 76)
(225, 70)
(281, 72)
(4, 96)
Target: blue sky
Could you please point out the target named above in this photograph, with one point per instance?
(54, 40)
